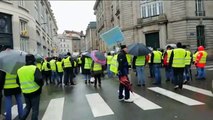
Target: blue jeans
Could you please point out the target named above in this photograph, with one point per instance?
(8, 106)
(140, 74)
(60, 75)
(187, 72)
(201, 73)
(157, 73)
(53, 76)
(87, 77)
(31, 103)
(109, 73)
(169, 73)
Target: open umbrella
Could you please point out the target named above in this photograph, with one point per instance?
(38, 58)
(86, 54)
(98, 57)
(124, 80)
(138, 49)
(12, 60)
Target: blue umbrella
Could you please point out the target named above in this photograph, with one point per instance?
(138, 49)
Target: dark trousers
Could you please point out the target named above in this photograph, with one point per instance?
(178, 76)
(31, 103)
(60, 75)
(121, 88)
(97, 78)
(47, 76)
(0, 99)
(151, 70)
(68, 76)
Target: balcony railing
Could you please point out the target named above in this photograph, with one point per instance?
(153, 19)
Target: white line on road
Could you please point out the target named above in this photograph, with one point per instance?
(143, 103)
(98, 105)
(210, 69)
(198, 90)
(15, 111)
(175, 96)
(208, 66)
(54, 110)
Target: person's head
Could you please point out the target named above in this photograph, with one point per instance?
(168, 47)
(59, 59)
(30, 59)
(154, 48)
(179, 45)
(200, 48)
(108, 53)
(68, 54)
(124, 48)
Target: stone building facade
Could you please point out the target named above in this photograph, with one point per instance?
(29, 26)
(158, 23)
(91, 37)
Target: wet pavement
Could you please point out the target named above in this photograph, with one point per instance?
(77, 107)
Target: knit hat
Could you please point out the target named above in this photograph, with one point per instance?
(123, 46)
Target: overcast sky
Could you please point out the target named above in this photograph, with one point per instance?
(73, 15)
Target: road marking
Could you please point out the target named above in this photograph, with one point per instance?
(175, 96)
(98, 105)
(198, 90)
(143, 103)
(54, 110)
(210, 69)
(14, 111)
(208, 66)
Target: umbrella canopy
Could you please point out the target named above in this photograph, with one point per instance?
(12, 60)
(124, 80)
(38, 58)
(86, 54)
(138, 49)
(98, 57)
(62, 55)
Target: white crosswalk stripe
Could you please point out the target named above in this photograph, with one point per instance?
(98, 105)
(198, 90)
(54, 110)
(15, 111)
(208, 67)
(175, 96)
(143, 103)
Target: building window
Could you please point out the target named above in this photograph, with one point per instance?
(199, 5)
(24, 44)
(21, 3)
(200, 35)
(151, 8)
(24, 37)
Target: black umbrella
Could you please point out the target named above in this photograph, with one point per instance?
(138, 49)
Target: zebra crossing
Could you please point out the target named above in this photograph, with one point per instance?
(99, 107)
(208, 67)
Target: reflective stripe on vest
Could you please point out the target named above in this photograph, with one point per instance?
(109, 59)
(203, 59)
(59, 66)
(114, 64)
(188, 58)
(26, 78)
(140, 61)
(168, 55)
(53, 65)
(179, 58)
(10, 81)
(67, 62)
(97, 67)
(88, 63)
(157, 57)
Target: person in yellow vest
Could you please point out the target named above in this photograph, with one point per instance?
(59, 70)
(156, 59)
(79, 63)
(53, 70)
(138, 64)
(177, 61)
(200, 63)
(109, 59)
(96, 70)
(30, 79)
(46, 70)
(168, 69)
(86, 68)
(11, 88)
(187, 70)
(68, 64)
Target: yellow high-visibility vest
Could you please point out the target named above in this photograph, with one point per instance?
(203, 59)
(79, 60)
(140, 61)
(44, 66)
(168, 55)
(179, 58)
(67, 62)
(59, 66)
(88, 63)
(188, 58)
(97, 67)
(53, 65)
(39, 66)
(129, 59)
(114, 64)
(10, 81)
(26, 79)
(157, 57)
(109, 59)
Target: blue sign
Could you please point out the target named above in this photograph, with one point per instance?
(113, 36)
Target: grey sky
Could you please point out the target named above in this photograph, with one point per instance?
(73, 15)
